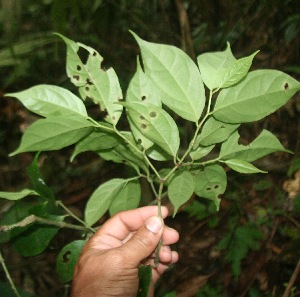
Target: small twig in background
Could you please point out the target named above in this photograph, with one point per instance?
(292, 280)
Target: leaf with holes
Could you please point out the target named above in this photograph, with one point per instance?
(258, 95)
(102, 86)
(48, 100)
(101, 199)
(242, 166)
(214, 131)
(141, 89)
(210, 183)
(155, 124)
(67, 259)
(175, 76)
(54, 133)
(213, 66)
(180, 189)
(266, 143)
(128, 198)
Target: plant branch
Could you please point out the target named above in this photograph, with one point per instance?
(292, 280)
(8, 276)
(34, 219)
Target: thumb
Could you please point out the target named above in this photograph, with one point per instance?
(143, 243)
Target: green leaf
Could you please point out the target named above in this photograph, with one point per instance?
(175, 76)
(128, 197)
(17, 195)
(242, 166)
(213, 66)
(201, 151)
(48, 100)
(258, 95)
(96, 141)
(266, 143)
(36, 239)
(37, 180)
(214, 132)
(210, 183)
(145, 278)
(155, 124)
(102, 86)
(236, 71)
(158, 154)
(101, 199)
(125, 153)
(180, 189)
(67, 259)
(54, 133)
(141, 89)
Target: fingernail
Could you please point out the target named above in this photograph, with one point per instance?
(154, 224)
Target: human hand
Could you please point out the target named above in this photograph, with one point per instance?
(108, 265)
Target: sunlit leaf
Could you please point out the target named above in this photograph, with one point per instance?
(258, 95)
(175, 76)
(54, 133)
(210, 183)
(242, 166)
(48, 100)
(102, 86)
(266, 143)
(180, 189)
(17, 195)
(128, 198)
(155, 124)
(101, 199)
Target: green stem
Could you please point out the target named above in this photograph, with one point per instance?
(34, 219)
(8, 276)
(70, 213)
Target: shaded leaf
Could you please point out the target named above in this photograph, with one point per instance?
(67, 259)
(258, 95)
(201, 151)
(48, 100)
(145, 278)
(175, 76)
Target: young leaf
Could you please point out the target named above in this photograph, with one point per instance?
(128, 198)
(101, 199)
(214, 132)
(17, 195)
(48, 100)
(236, 71)
(175, 76)
(54, 133)
(242, 166)
(213, 66)
(180, 189)
(210, 183)
(266, 143)
(141, 89)
(96, 141)
(155, 124)
(67, 259)
(258, 95)
(102, 86)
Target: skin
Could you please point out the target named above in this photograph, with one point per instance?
(108, 265)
